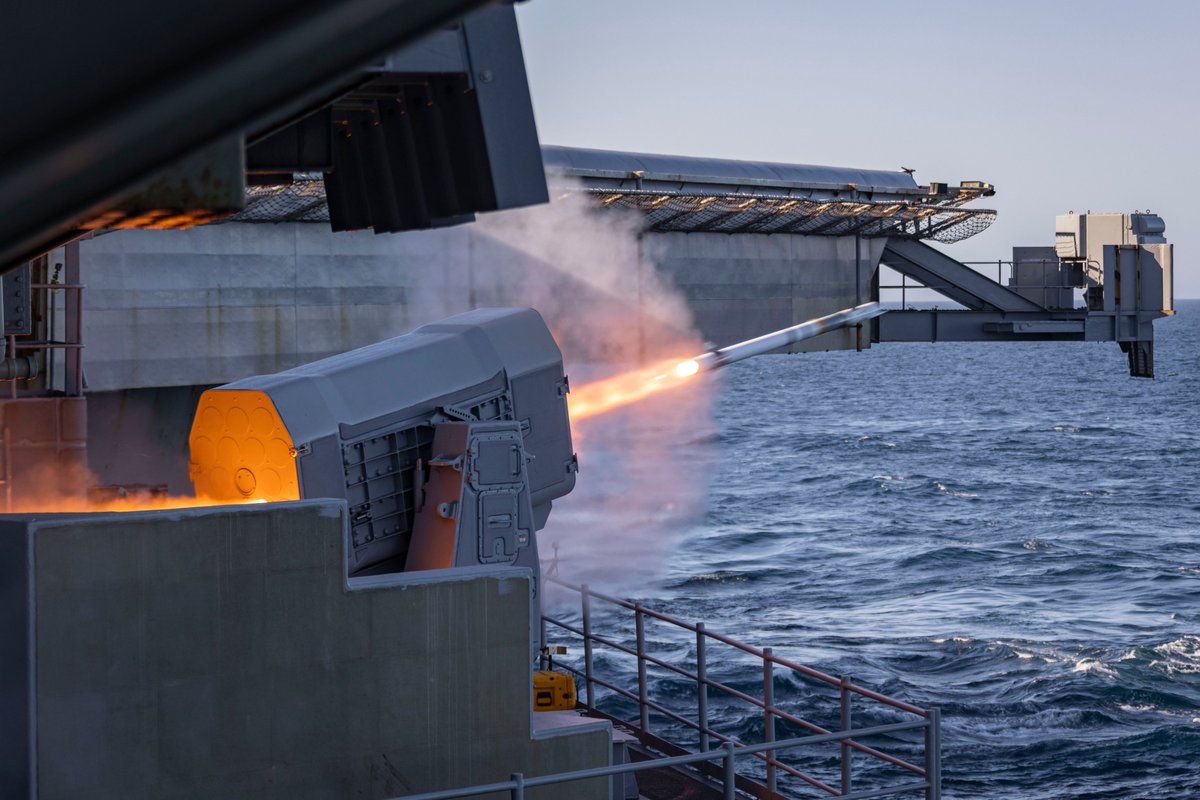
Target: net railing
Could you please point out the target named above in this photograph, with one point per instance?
(940, 219)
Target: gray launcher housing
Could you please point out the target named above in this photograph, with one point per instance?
(475, 507)
(364, 424)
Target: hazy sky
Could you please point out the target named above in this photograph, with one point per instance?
(1061, 105)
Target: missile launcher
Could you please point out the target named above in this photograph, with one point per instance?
(449, 443)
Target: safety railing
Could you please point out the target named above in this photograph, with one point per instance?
(1044, 292)
(726, 756)
(846, 738)
(719, 763)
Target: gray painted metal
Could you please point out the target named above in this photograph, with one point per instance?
(1080, 236)
(952, 278)
(16, 307)
(431, 139)
(1039, 276)
(440, 52)
(218, 303)
(18, 368)
(1136, 278)
(954, 325)
(933, 755)
(691, 203)
(475, 507)
(606, 168)
(236, 67)
(1122, 261)
(777, 340)
(678, 193)
(354, 390)
(361, 422)
(514, 156)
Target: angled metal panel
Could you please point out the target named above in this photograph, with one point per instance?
(441, 52)
(614, 165)
(1157, 277)
(955, 280)
(175, 77)
(304, 146)
(497, 69)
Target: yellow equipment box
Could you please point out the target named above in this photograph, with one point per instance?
(553, 690)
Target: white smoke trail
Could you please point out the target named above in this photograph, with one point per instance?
(643, 477)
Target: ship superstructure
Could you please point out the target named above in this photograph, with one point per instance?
(337, 588)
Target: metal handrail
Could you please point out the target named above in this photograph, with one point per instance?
(929, 720)
(727, 754)
(746, 648)
(1044, 287)
(707, 732)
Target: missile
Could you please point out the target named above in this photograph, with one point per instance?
(715, 359)
(614, 392)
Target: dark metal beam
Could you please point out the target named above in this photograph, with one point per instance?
(151, 82)
(938, 325)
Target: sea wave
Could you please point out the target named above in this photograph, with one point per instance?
(1005, 532)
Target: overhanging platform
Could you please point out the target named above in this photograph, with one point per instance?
(1106, 279)
(692, 195)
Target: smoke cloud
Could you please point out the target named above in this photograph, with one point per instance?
(643, 480)
(589, 273)
(643, 468)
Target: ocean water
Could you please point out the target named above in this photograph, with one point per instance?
(1009, 532)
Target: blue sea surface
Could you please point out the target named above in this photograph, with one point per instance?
(1008, 532)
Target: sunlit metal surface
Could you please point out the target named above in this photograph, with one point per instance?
(720, 196)
(939, 219)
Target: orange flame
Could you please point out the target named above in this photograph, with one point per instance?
(48, 486)
(608, 394)
(81, 504)
(598, 397)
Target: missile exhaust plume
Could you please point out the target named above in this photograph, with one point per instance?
(52, 488)
(605, 395)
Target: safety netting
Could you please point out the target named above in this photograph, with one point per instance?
(942, 219)
(302, 200)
